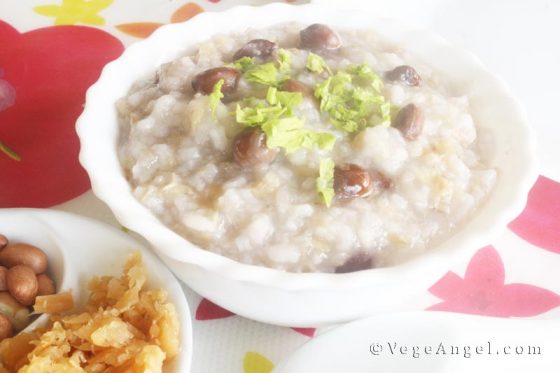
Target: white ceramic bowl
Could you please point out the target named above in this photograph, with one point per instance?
(314, 298)
(79, 249)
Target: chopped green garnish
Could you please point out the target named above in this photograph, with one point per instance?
(317, 64)
(325, 181)
(266, 74)
(288, 133)
(243, 64)
(257, 115)
(385, 113)
(282, 129)
(323, 140)
(367, 76)
(286, 99)
(334, 90)
(271, 95)
(353, 99)
(275, 114)
(216, 96)
(284, 133)
(275, 117)
(9, 152)
(284, 61)
(289, 99)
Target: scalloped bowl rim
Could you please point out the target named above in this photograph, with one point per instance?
(97, 155)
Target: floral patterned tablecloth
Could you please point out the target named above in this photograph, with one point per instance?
(52, 50)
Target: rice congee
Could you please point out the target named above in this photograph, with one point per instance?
(304, 149)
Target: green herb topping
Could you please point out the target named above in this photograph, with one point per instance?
(289, 134)
(275, 117)
(325, 181)
(284, 61)
(287, 100)
(317, 64)
(353, 99)
(216, 96)
(265, 73)
(243, 64)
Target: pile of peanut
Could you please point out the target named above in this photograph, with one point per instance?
(22, 279)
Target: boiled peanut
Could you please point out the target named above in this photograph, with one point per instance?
(22, 284)
(351, 181)
(250, 150)
(260, 48)
(410, 122)
(404, 74)
(205, 81)
(24, 254)
(357, 262)
(46, 285)
(292, 85)
(319, 37)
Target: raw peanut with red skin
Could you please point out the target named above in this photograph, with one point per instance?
(250, 150)
(17, 313)
(24, 254)
(404, 74)
(318, 37)
(22, 284)
(260, 48)
(3, 241)
(46, 285)
(351, 181)
(410, 122)
(3, 272)
(205, 81)
(6, 327)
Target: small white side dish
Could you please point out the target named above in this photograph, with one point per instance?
(311, 299)
(79, 249)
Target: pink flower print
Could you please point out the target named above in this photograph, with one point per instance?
(540, 221)
(482, 291)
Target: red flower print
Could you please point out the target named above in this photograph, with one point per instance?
(207, 310)
(308, 332)
(482, 291)
(50, 69)
(540, 221)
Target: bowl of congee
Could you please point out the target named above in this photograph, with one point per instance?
(300, 165)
